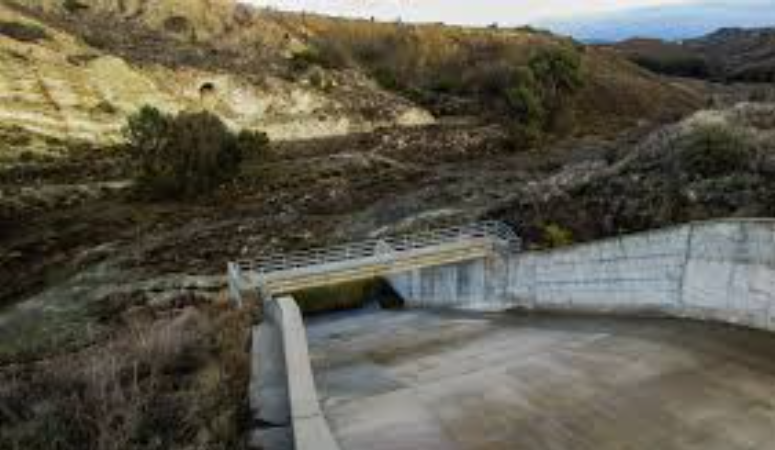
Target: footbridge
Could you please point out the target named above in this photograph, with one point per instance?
(283, 273)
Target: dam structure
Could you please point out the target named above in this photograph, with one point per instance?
(662, 339)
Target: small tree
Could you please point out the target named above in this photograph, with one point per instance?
(147, 137)
(540, 93)
(186, 155)
(526, 104)
(560, 77)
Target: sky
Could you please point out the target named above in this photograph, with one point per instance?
(584, 19)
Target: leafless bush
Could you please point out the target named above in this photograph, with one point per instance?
(174, 383)
(755, 115)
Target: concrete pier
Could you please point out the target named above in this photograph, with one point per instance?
(462, 381)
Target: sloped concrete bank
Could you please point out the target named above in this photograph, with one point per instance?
(719, 270)
(283, 398)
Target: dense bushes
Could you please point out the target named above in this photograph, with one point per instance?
(527, 83)
(540, 94)
(712, 150)
(74, 6)
(23, 32)
(555, 236)
(186, 155)
(177, 24)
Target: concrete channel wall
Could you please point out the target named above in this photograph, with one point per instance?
(719, 270)
(283, 398)
(477, 284)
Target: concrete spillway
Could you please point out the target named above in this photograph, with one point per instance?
(464, 381)
(427, 380)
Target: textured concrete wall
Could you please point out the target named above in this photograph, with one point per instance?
(720, 270)
(467, 285)
(730, 273)
(640, 272)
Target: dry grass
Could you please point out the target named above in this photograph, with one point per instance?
(170, 380)
(429, 62)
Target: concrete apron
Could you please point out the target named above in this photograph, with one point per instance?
(432, 380)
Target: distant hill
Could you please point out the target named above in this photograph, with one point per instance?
(739, 54)
(670, 58)
(668, 22)
(729, 54)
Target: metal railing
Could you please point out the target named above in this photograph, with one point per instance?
(385, 250)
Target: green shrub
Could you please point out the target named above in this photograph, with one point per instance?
(177, 24)
(713, 150)
(559, 70)
(186, 155)
(331, 54)
(539, 95)
(325, 54)
(387, 79)
(74, 6)
(559, 76)
(557, 236)
(524, 99)
(23, 32)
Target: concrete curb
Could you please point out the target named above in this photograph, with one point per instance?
(283, 397)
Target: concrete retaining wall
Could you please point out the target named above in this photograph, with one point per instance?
(719, 270)
(639, 272)
(283, 398)
(730, 273)
(466, 285)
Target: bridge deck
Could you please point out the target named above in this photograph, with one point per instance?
(284, 273)
(418, 380)
(374, 266)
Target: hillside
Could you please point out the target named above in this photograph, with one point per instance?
(739, 54)
(292, 76)
(731, 54)
(62, 85)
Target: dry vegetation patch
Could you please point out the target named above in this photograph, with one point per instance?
(165, 379)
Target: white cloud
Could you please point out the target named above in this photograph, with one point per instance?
(507, 12)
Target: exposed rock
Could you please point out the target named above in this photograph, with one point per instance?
(63, 89)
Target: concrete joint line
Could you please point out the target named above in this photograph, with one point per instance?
(684, 267)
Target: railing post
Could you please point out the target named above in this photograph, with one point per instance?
(234, 275)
